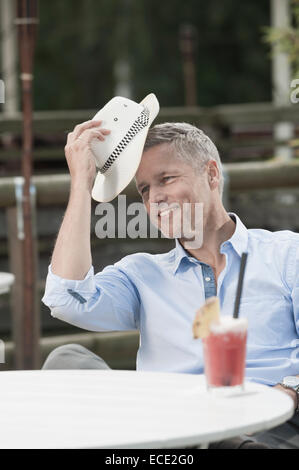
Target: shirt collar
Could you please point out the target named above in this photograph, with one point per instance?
(239, 241)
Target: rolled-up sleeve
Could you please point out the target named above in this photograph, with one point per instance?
(107, 301)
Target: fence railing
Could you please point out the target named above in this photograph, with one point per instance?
(54, 189)
(51, 122)
(242, 132)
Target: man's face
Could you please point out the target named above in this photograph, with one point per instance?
(165, 182)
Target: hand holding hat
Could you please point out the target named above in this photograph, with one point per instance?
(79, 156)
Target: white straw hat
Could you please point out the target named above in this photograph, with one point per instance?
(118, 157)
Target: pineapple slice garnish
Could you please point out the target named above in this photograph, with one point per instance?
(209, 312)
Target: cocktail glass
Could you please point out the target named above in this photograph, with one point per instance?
(225, 354)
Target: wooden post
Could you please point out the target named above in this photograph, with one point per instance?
(26, 21)
(122, 68)
(187, 45)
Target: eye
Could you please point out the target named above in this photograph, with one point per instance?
(165, 178)
(144, 189)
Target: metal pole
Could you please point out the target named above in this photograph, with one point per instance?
(187, 45)
(26, 21)
(122, 68)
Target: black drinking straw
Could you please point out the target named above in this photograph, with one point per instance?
(240, 285)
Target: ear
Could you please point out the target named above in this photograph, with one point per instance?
(213, 174)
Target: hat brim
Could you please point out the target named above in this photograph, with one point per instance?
(108, 185)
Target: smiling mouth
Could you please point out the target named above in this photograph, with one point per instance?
(168, 210)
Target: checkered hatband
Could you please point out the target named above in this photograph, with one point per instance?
(138, 125)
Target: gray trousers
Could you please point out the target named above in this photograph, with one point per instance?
(285, 436)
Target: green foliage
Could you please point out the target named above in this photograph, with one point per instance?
(80, 41)
(287, 39)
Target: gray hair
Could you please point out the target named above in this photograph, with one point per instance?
(191, 145)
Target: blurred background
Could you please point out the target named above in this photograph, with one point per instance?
(228, 67)
(86, 50)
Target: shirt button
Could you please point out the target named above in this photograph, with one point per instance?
(208, 279)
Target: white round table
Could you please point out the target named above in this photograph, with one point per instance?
(6, 281)
(128, 409)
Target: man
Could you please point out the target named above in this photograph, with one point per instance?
(159, 294)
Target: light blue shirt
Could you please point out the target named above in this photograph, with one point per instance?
(159, 295)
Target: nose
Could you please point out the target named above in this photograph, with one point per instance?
(157, 196)
(156, 199)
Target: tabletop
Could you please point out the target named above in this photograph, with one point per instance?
(6, 281)
(128, 409)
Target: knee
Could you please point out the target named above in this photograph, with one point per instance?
(74, 356)
(59, 357)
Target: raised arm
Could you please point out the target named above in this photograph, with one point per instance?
(71, 257)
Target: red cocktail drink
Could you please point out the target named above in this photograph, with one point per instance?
(225, 352)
